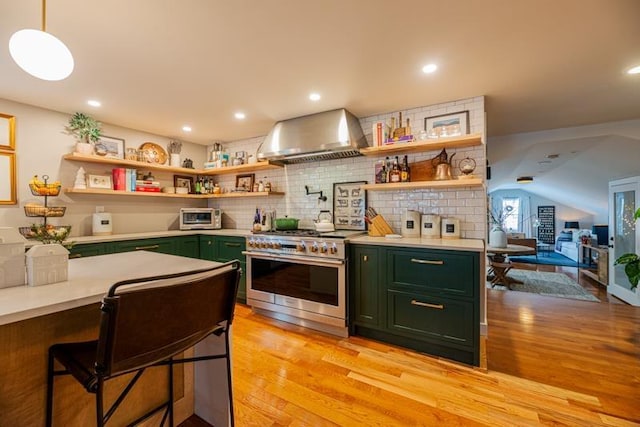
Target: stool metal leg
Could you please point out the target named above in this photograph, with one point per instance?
(99, 403)
(229, 385)
(170, 403)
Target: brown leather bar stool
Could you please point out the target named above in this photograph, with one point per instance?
(147, 322)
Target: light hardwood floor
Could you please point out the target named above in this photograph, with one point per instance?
(551, 361)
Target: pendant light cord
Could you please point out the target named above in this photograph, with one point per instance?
(44, 16)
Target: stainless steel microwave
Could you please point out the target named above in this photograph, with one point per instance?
(200, 218)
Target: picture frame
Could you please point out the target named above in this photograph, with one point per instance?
(184, 181)
(8, 195)
(349, 205)
(110, 147)
(99, 182)
(7, 132)
(245, 182)
(447, 125)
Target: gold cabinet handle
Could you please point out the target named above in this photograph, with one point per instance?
(365, 258)
(73, 256)
(144, 248)
(426, 304)
(209, 242)
(232, 245)
(426, 261)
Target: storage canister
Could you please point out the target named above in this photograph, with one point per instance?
(430, 226)
(450, 228)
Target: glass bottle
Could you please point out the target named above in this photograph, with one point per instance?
(405, 171)
(394, 176)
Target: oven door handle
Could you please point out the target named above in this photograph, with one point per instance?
(295, 260)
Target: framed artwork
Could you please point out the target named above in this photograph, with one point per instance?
(349, 205)
(184, 181)
(99, 181)
(109, 147)
(447, 125)
(7, 132)
(244, 182)
(7, 179)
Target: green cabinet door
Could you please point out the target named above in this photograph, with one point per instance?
(365, 286)
(188, 246)
(228, 248)
(161, 245)
(207, 248)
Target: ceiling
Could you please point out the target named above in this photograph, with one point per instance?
(157, 65)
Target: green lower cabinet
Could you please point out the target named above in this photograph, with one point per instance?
(365, 273)
(426, 300)
(188, 246)
(224, 249)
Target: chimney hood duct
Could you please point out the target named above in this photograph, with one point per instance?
(323, 136)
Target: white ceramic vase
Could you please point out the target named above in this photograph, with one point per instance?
(497, 237)
(174, 160)
(84, 148)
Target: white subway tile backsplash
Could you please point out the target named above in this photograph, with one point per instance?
(467, 204)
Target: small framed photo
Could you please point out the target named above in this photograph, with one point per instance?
(99, 181)
(184, 181)
(447, 125)
(244, 182)
(349, 205)
(109, 147)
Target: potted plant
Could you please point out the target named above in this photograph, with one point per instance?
(86, 130)
(497, 235)
(631, 262)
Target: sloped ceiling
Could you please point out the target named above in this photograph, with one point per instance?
(159, 64)
(587, 159)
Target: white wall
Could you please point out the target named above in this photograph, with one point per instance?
(41, 142)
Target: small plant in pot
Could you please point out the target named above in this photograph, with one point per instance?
(631, 262)
(86, 130)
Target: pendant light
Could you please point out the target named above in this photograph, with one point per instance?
(41, 54)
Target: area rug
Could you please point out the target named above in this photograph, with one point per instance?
(547, 284)
(551, 258)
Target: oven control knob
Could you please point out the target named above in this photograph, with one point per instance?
(264, 244)
(324, 248)
(276, 245)
(333, 249)
(300, 247)
(314, 247)
(250, 243)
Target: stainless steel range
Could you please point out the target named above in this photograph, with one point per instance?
(300, 276)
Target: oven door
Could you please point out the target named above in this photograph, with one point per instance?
(300, 283)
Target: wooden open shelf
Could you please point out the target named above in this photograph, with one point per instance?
(259, 166)
(170, 195)
(414, 185)
(428, 145)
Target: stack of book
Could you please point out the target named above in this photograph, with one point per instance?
(148, 186)
(124, 179)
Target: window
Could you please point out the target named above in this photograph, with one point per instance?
(511, 207)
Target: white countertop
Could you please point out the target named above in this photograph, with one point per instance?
(89, 280)
(474, 245)
(151, 235)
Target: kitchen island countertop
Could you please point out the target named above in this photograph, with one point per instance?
(474, 245)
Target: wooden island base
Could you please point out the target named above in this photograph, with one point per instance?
(23, 373)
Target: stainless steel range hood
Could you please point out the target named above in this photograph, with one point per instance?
(323, 136)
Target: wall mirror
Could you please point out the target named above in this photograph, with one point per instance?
(7, 178)
(7, 132)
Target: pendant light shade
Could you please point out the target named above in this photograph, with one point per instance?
(524, 179)
(41, 54)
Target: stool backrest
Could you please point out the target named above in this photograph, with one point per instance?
(145, 321)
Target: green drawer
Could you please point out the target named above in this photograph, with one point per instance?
(446, 320)
(163, 245)
(228, 248)
(450, 272)
(91, 249)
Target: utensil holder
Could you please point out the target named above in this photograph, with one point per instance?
(379, 227)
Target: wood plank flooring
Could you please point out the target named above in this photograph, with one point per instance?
(551, 361)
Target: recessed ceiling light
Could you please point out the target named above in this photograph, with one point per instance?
(315, 97)
(553, 156)
(524, 179)
(634, 70)
(429, 68)
(186, 128)
(94, 103)
(240, 115)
